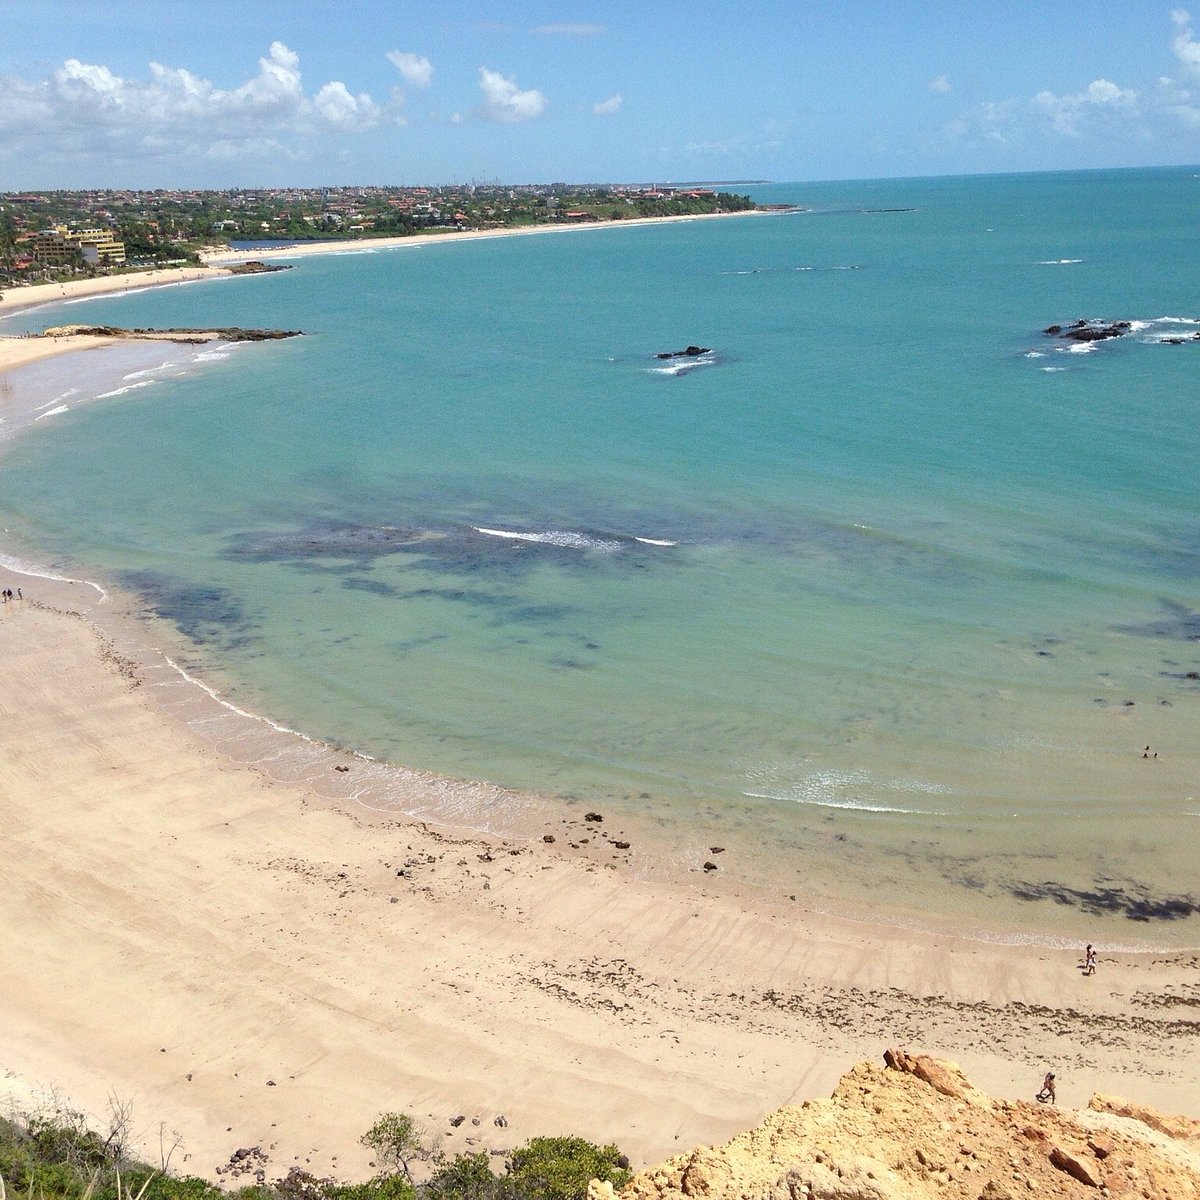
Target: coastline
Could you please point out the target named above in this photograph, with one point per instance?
(449, 237)
(272, 935)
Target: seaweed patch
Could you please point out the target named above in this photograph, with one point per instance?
(1135, 903)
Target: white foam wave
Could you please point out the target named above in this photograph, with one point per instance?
(123, 390)
(1053, 370)
(859, 791)
(684, 366)
(211, 356)
(654, 541)
(1078, 348)
(1035, 354)
(53, 412)
(20, 567)
(58, 399)
(149, 371)
(1058, 262)
(1177, 321)
(565, 538)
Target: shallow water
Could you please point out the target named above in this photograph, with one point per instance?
(889, 590)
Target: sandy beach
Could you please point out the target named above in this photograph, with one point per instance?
(251, 963)
(218, 257)
(17, 298)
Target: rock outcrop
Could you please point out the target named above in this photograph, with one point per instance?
(231, 333)
(917, 1129)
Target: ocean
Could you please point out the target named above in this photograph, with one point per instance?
(889, 594)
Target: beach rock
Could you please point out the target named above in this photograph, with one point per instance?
(919, 1130)
(255, 266)
(944, 1077)
(230, 333)
(1076, 1168)
(1089, 331)
(687, 352)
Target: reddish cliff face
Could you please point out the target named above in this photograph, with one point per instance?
(916, 1129)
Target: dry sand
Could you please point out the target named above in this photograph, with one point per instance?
(251, 964)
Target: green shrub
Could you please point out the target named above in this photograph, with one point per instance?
(560, 1168)
(466, 1177)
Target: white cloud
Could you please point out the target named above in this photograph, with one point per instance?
(1185, 46)
(85, 109)
(505, 102)
(607, 107)
(567, 29)
(1068, 114)
(416, 69)
(940, 84)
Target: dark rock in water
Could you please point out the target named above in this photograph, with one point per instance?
(256, 266)
(1089, 331)
(688, 352)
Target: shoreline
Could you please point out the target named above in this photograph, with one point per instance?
(450, 237)
(282, 945)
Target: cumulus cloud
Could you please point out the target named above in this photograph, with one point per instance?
(567, 29)
(504, 101)
(1067, 113)
(84, 108)
(1166, 112)
(416, 69)
(607, 107)
(1185, 46)
(940, 84)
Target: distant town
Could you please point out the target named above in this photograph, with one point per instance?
(58, 235)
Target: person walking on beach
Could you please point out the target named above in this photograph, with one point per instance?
(1089, 960)
(1046, 1095)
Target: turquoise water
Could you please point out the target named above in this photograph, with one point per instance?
(867, 589)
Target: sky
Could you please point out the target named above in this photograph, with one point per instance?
(263, 93)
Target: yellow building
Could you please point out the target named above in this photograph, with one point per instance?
(59, 246)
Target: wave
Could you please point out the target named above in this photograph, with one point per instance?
(121, 391)
(58, 399)
(1058, 262)
(845, 790)
(570, 539)
(53, 412)
(566, 539)
(20, 567)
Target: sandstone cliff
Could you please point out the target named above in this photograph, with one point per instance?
(917, 1129)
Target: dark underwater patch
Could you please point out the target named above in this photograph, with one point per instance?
(337, 541)
(1180, 623)
(205, 613)
(376, 587)
(1135, 903)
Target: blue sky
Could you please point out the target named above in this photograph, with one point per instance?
(223, 93)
